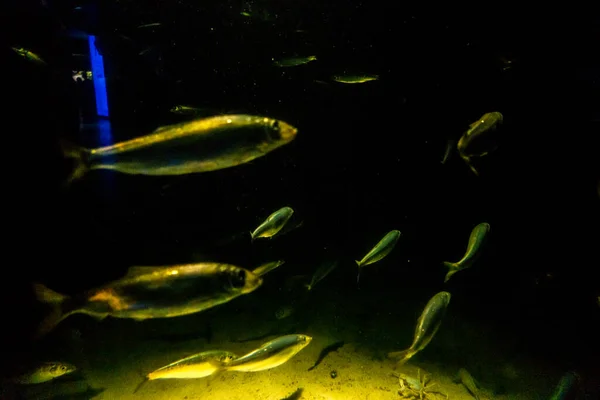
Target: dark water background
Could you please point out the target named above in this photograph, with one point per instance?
(366, 160)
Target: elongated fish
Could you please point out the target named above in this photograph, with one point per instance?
(273, 224)
(195, 366)
(468, 382)
(29, 55)
(44, 372)
(294, 61)
(324, 270)
(267, 267)
(477, 142)
(353, 79)
(270, 355)
(153, 292)
(201, 145)
(476, 241)
(381, 249)
(428, 324)
(567, 388)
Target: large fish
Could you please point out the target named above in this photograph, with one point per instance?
(474, 248)
(195, 366)
(201, 145)
(478, 141)
(270, 355)
(153, 292)
(428, 324)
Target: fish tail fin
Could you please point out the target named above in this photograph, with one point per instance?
(401, 357)
(57, 303)
(79, 155)
(251, 237)
(452, 269)
(308, 286)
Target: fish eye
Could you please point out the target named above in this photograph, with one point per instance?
(275, 125)
(238, 279)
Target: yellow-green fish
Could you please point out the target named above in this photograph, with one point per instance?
(44, 372)
(267, 267)
(428, 324)
(474, 248)
(348, 78)
(294, 61)
(195, 366)
(270, 355)
(188, 110)
(324, 270)
(468, 382)
(273, 224)
(153, 292)
(29, 55)
(477, 141)
(381, 249)
(200, 145)
(284, 312)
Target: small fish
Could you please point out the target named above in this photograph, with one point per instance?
(567, 388)
(294, 61)
(270, 355)
(201, 145)
(267, 267)
(326, 350)
(427, 325)
(29, 55)
(324, 270)
(468, 381)
(476, 241)
(284, 312)
(195, 366)
(273, 224)
(355, 78)
(449, 146)
(190, 110)
(476, 142)
(381, 249)
(295, 395)
(44, 372)
(152, 292)
(151, 25)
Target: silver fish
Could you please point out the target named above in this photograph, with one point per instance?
(294, 61)
(381, 249)
(153, 292)
(476, 142)
(476, 241)
(195, 366)
(270, 355)
(267, 267)
(273, 224)
(324, 270)
(428, 324)
(44, 372)
(200, 145)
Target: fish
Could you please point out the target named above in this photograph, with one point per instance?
(476, 142)
(295, 395)
(195, 366)
(200, 145)
(271, 354)
(267, 267)
(468, 381)
(427, 325)
(567, 387)
(150, 25)
(273, 224)
(294, 61)
(474, 249)
(29, 55)
(343, 78)
(326, 350)
(324, 270)
(284, 312)
(381, 249)
(152, 292)
(449, 146)
(44, 372)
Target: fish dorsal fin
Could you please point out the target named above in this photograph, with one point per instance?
(140, 270)
(161, 128)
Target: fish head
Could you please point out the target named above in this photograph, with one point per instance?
(56, 369)
(240, 280)
(280, 131)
